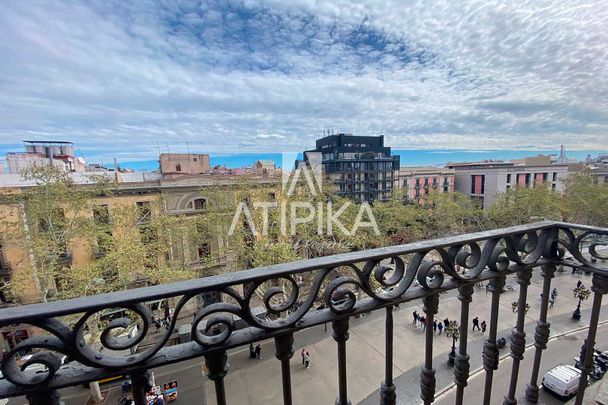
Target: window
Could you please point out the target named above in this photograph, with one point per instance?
(417, 182)
(195, 159)
(508, 178)
(200, 203)
(554, 176)
(204, 250)
(145, 210)
(553, 186)
(178, 167)
(478, 184)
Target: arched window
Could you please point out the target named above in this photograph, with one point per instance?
(199, 203)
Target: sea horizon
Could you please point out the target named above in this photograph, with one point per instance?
(412, 157)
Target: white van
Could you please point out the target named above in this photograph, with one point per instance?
(562, 380)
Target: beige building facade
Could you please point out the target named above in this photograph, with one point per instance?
(418, 181)
(177, 164)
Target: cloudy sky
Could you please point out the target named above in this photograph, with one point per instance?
(119, 77)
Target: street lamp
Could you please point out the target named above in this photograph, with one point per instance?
(452, 331)
(581, 293)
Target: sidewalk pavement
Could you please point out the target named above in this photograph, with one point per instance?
(259, 381)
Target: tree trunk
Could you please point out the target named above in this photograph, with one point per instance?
(96, 396)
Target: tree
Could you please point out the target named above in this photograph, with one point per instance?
(450, 214)
(521, 205)
(53, 214)
(585, 200)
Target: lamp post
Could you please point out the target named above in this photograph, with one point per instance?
(452, 331)
(581, 293)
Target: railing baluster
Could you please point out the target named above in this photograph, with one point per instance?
(461, 362)
(541, 335)
(44, 398)
(284, 352)
(490, 350)
(518, 336)
(140, 384)
(387, 389)
(217, 368)
(427, 374)
(340, 335)
(599, 288)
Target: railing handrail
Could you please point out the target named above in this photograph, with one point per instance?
(516, 249)
(58, 308)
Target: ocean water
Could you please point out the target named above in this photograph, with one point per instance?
(408, 157)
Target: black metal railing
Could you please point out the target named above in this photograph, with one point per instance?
(347, 284)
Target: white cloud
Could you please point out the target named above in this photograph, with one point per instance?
(120, 78)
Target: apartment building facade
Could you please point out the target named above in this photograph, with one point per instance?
(152, 194)
(416, 182)
(483, 181)
(361, 166)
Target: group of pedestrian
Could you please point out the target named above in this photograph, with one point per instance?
(255, 352)
(480, 326)
(305, 358)
(161, 322)
(437, 327)
(420, 321)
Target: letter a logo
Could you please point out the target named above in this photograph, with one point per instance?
(310, 169)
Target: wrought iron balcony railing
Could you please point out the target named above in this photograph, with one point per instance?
(378, 279)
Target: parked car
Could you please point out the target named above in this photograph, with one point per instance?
(562, 380)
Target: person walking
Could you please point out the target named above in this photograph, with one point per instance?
(514, 306)
(446, 323)
(434, 326)
(551, 302)
(476, 323)
(554, 294)
(303, 354)
(579, 283)
(307, 360)
(483, 326)
(423, 322)
(440, 327)
(258, 352)
(415, 316)
(251, 351)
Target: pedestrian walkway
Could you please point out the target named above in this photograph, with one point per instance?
(259, 381)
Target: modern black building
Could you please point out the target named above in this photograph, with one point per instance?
(361, 166)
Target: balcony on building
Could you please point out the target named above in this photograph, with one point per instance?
(332, 290)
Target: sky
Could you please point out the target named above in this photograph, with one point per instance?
(127, 79)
